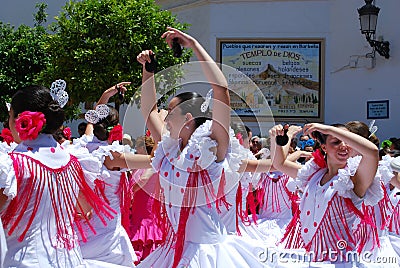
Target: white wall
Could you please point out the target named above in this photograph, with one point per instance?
(352, 88)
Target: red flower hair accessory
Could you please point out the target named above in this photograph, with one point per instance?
(29, 124)
(239, 136)
(148, 133)
(116, 133)
(319, 158)
(67, 133)
(7, 136)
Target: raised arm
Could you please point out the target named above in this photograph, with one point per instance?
(221, 100)
(279, 153)
(148, 98)
(107, 94)
(105, 97)
(366, 171)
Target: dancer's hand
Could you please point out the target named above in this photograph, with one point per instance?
(108, 93)
(185, 40)
(144, 56)
(293, 130)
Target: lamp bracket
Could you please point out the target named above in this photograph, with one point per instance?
(382, 47)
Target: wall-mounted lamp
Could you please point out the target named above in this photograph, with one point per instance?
(368, 20)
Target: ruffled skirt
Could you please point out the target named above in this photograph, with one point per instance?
(232, 251)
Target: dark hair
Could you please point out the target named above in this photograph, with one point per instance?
(240, 128)
(362, 130)
(396, 144)
(147, 142)
(5, 124)
(38, 99)
(190, 102)
(248, 130)
(59, 135)
(100, 130)
(82, 127)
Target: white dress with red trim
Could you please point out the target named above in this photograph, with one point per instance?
(394, 225)
(111, 243)
(247, 211)
(276, 205)
(42, 182)
(236, 216)
(4, 149)
(193, 187)
(391, 221)
(377, 234)
(326, 223)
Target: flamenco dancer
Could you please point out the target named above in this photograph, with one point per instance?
(194, 161)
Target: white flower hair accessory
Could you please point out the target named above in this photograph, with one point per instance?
(94, 116)
(58, 93)
(207, 101)
(8, 105)
(372, 129)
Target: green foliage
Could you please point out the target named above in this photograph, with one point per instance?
(95, 44)
(22, 56)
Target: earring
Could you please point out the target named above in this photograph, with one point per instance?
(187, 127)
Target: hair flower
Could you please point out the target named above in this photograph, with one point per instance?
(116, 133)
(67, 133)
(29, 124)
(7, 136)
(148, 133)
(239, 136)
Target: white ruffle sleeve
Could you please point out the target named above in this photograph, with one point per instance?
(103, 151)
(385, 169)
(91, 166)
(85, 139)
(303, 176)
(202, 146)
(236, 152)
(345, 186)
(8, 181)
(5, 148)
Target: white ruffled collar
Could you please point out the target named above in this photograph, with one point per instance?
(5, 148)
(341, 182)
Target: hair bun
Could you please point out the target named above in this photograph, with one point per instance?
(54, 117)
